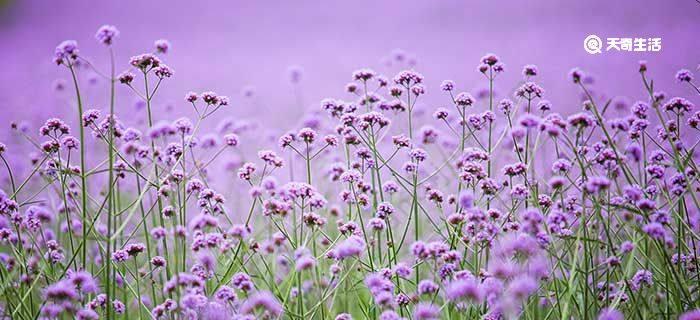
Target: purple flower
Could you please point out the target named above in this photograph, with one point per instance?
(226, 294)
(54, 127)
(447, 85)
(529, 120)
(378, 284)
(581, 120)
(144, 62)
(343, 316)
(120, 256)
(655, 230)
(262, 300)
(530, 70)
(126, 77)
(427, 287)
(61, 291)
(119, 306)
(162, 46)
(506, 106)
(242, 281)
(66, 52)
(106, 34)
(158, 261)
(418, 90)
(308, 135)
(350, 247)
(408, 78)
(377, 224)
(87, 314)
(464, 99)
(465, 290)
(691, 315)
(429, 135)
(489, 59)
(305, 262)
(626, 247)
(183, 125)
(295, 73)
(576, 74)
(642, 278)
(529, 91)
(84, 281)
(418, 155)
(642, 66)
(402, 270)
(134, 249)
(70, 142)
(597, 184)
(426, 311)
(684, 75)
(389, 315)
(163, 71)
(363, 74)
(678, 105)
(610, 314)
(441, 114)
(522, 287)
(466, 199)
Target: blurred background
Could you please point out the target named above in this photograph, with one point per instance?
(238, 47)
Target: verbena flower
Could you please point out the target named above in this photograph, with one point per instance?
(106, 34)
(610, 314)
(66, 52)
(684, 75)
(264, 301)
(426, 311)
(162, 46)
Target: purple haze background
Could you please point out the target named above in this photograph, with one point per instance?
(227, 45)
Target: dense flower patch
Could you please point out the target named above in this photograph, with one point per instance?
(489, 209)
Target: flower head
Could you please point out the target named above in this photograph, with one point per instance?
(106, 34)
(66, 52)
(530, 70)
(145, 62)
(576, 75)
(684, 75)
(610, 314)
(162, 46)
(262, 300)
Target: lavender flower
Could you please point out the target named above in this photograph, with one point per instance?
(530, 71)
(106, 34)
(610, 314)
(352, 246)
(66, 52)
(426, 311)
(162, 46)
(684, 75)
(145, 62)
(465, 290)
(262, 300)
(690, 315)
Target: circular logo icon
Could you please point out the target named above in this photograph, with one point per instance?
(592, 44)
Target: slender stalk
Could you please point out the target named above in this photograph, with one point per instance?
(83, 178)
(110, 196)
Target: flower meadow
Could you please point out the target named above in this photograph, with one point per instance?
(372, 208)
